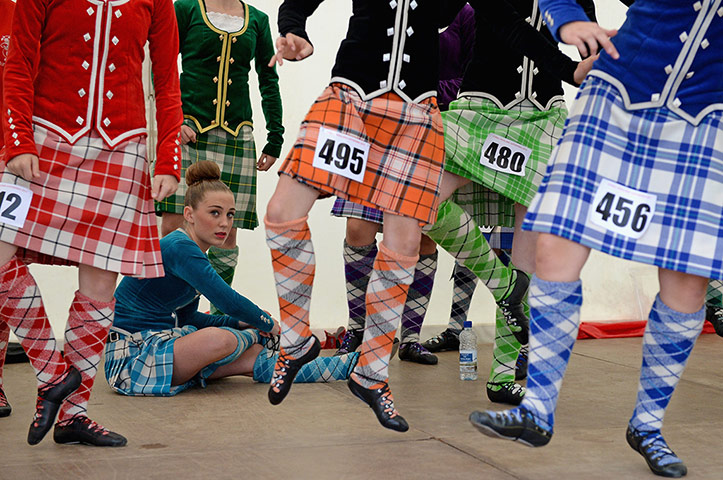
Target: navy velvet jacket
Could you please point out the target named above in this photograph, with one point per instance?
(671, 54)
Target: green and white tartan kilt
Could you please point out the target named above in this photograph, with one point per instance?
(237, 159)
(468, 122)
(485, 206)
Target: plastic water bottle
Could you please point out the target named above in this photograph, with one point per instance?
(467, 353)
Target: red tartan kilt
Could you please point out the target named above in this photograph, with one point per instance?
(406, 153)
(92, 205)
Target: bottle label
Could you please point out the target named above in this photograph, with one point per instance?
(468, 356)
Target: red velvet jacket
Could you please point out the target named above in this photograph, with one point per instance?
(89, 56)
(6, 18)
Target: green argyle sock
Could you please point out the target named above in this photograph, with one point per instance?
(224, 261)
(457, 232)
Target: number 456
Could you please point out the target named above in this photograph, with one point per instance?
(637, 219)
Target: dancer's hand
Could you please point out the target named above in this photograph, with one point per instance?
(583, 68)
(588, 37)
(25, 165)
(290, 47)
(276, 330)
(187, 135)
(265, 162)
(163, 186)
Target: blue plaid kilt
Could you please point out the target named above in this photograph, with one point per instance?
(141, 363)
(651, 150)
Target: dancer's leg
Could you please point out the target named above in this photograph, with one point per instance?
(415, 307)
(360, 250)
(294, 264)
(5, 408)
(210, 346)
(714, 305)
(555, 299)
(319, 370)
(89, 319)
(21, 308)
(670, 335)
(456, 232)
(386, 295)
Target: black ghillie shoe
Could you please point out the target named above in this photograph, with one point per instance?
(444, 342)
(510, 393)
(415, 352)
(512, 309)
(521, 364)
(48, 404)
(352, 341)
(5, 408)
(382, 403)
(286, 369)
(83, 430)
(659, 457)
(715, 316)
(517, 424)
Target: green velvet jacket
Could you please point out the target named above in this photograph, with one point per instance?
(215, 77)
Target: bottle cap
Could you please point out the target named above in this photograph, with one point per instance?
(468, 324)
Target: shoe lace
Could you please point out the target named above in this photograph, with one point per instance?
(3, 399)
(346, 343)
(39, 407)
(279, 373)
(513, 388)
(656, 447)
(87, 424)
(510, 318)
(510, 416)
(417, 347)
(442, 337)
(387, 401)
(522, 357)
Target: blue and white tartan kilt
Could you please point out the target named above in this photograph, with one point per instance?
(141, 364)
(651, 150)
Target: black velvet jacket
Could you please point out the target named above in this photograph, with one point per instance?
(515, 56)
(391, 45)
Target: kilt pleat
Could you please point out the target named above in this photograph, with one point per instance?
(236, 157)
(653, 151)
(406, 140)
(345, 208)
(141, 363)
(91, 205)
(468, 123)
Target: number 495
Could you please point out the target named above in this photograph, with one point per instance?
(343, 156)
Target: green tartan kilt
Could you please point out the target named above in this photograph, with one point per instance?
(485, 206)
(467, 124)
(237, 159)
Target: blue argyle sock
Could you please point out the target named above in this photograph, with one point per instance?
(245, 339)
(669, 338)
(319, 370)
(554, 322)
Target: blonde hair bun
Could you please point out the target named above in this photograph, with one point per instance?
(204, 170)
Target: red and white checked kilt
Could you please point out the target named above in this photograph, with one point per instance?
(406, 153)
(92, 205)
